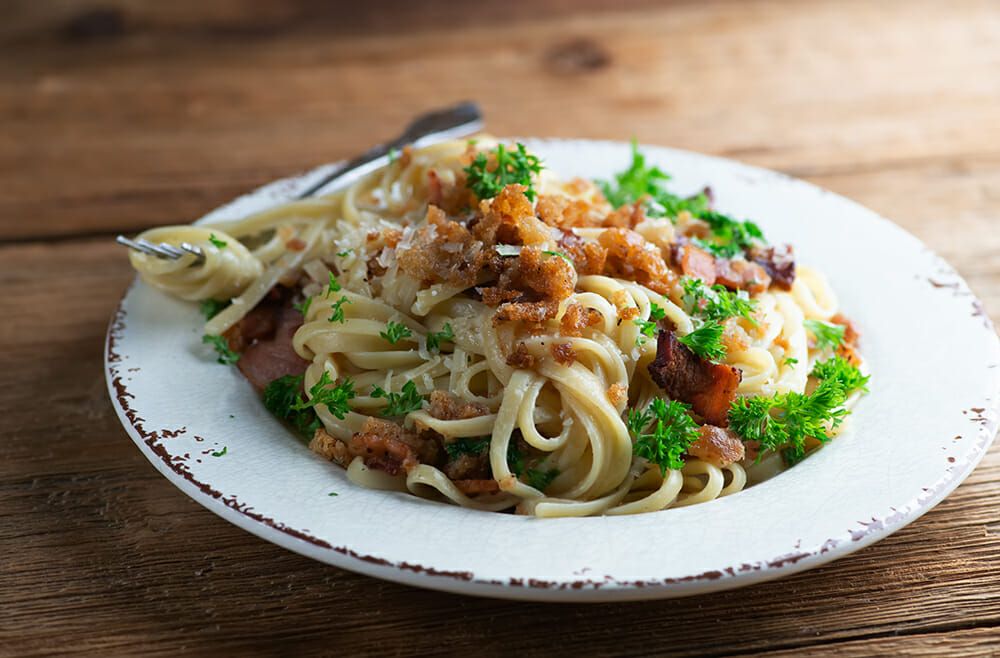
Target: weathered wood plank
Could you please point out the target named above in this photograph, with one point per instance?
(104, 551)
(154, 128)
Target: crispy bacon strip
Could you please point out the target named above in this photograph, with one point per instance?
(708, 387)
(778, 262)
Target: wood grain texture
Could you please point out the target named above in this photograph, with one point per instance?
(123, 114)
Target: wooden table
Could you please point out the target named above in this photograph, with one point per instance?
(119, 115)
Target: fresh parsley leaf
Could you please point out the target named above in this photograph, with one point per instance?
(226, 356)
(303, 308)
(839, 370)
(515, 459)
(730, 237)
(216, 241)
(648, 183)
(827, 334)
(459, 447)
(647, 328)
(717, 304)
(400, 404)
(393, 154)
(540, 479)
(334, 285)
(338, 310)
(784, 421)
(225, 449)
(706, 341)
(790, 361)
(395, 332)
(280, 395)
(336, 398)
(434, 339)
(511, 167)
(211, 307)
(673, 432)
(333, 493)
(345, 253)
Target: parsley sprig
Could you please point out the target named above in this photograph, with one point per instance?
(647, 328)
(785, 420)
(717, 304)
(706, 341)
(673, 431)
(395, 332)
(469, 446)
(219, 244)
(730, 237)
(279, 396)
(402, 403)
(225, 355)
(338, 310)
(512, 167)
(648, 183)
(827, 334)
(434, 339)
(212, 307)
(336, 397)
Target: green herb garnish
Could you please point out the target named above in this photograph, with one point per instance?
(303, 308)
(334, 285)
(718, 304)
(280, 396)
(648, 183)
(395, 331)
(459, 447)
(226, 355)
(512, 167)
(785, 421)
(827, 334)
(211, 307)
(216, 241)
(336, 398)
(674, 431)
(225, 449)
(338, 310)
(647, 328)
(540, 479)
(401, 403)
(706, 341)
(434, 339)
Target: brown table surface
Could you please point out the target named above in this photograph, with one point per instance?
(120, 115)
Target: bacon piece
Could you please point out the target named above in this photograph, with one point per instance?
(741, 275)
(717, 446)
(778, 262)
(631, 257)
(708, 387)
(695, 262)
(270, 355)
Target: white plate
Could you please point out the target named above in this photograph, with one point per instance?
(931, 414)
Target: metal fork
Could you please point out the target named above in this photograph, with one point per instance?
(430, 128)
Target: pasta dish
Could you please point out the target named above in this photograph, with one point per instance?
(466, 326)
